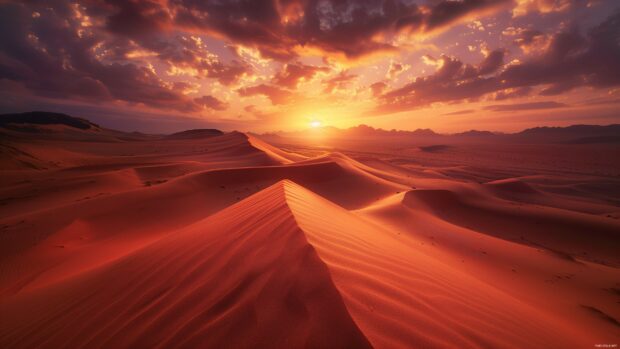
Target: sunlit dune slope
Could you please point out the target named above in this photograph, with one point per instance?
(284, 267)
(401, 297)
(544, 277)
(274, 152)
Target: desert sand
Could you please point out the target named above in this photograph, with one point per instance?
(226, 240)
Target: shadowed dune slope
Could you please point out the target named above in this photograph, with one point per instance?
(235, 149)
(340, 182)
(235, 146)
(244, 278)
(547, 227)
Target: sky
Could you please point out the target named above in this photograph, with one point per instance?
(268, 65)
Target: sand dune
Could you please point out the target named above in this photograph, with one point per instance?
(528, 272)
(305, 274)
(541, 226)
(336, 180)
(243, 270)
(397, 295)
(228, 241)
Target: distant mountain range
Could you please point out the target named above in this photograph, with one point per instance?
(575, 134)
(45, 118)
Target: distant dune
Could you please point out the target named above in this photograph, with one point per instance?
(434, 148)
(208, 239)
(45, 118)
(195, 134)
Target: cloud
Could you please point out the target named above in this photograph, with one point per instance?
(524, 7)
(226, 74)
(148, 27)
(396, 69)
(453, 80)
(339, 82)
(525, 106)
(446, 12)
(491, 63)
(351, 28)
(275, 94)
(293, 73)
(570, 60)
(188, 54)
(513, 93)
(531, 40)
(138, 18)
(54, 56)
(163, 53)
(460, 112)
(377, 88)
(211, 103)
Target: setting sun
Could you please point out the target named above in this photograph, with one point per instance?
(315, 124)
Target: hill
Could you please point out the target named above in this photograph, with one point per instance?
(195, 134)
(45, 118)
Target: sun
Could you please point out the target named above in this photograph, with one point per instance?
(315, 124)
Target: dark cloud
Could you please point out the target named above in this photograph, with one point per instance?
(137, 19)
(491, 63)
(513, 93)
(602, 101)
(445, 12)
(377, 88)
(149, 25)
(460, 112)
(525, 106)
(570, 60)
(454, 80)
(226, 74)
(530, 38)
(189, 52)
(48, 51)
(128, 50)
(339, 82)
(211, 103)
(275, 94)
(348, 27)
(395, 69)
(293, 73)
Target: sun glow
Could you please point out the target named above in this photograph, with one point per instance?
(315, 124)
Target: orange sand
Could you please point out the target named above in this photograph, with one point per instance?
(227, 241)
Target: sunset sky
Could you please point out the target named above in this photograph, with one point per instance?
(263, 65)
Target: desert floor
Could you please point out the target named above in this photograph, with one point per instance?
(232, 242)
